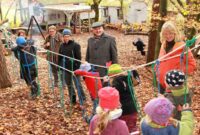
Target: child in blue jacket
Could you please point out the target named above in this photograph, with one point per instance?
(27, 63)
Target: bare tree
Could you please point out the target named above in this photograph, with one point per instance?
(95, 6)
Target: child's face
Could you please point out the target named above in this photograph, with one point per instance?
(169, 35)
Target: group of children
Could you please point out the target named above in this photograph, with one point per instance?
(167, 114)
(116, 113)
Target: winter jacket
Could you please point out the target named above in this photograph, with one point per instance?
(100, 51)
(114, 127)
(174, 63)
(184, 127)
(27, 62)
(121, 84)
(177, 97)
(54, 47)
(92, 84)
(70, 49)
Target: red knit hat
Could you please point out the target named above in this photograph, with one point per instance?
(108, 98)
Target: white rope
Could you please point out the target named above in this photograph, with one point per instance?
(71, 58)
(134, 68)
(147, 64)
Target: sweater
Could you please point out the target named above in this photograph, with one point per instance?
(184, 127)
(114, 127)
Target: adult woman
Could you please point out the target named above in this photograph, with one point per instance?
(172, 46)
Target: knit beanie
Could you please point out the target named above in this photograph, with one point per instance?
(67, 32)
(114, 69)
(175, 78)
(85, 67)
(108, 98)
(159, 110)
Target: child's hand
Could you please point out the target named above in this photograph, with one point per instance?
(105, 78)
(186, 107)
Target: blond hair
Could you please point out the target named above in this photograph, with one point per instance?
(102, 120)
(52, 27)
(170, 26)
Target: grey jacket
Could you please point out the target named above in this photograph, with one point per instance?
(100, 51)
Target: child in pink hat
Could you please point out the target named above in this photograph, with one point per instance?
(158, 119)
(106, 121)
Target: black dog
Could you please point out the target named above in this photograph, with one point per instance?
(140, 46)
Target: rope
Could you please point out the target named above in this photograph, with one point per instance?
(158, 74)
(137, 67)
(73, 58)
(38, 81)
(50, 76)
(131, 88)
(140, 66)
(62, 101)
(186, 74)
(154, 79)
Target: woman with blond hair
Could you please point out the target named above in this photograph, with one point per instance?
(172, 46)
(106, 121)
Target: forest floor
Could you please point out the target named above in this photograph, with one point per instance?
(19, 114)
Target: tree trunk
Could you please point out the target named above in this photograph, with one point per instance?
(122, 9)
(4, 75)
(153, 32)
(96, 10)
(163, 13)
(159, 6)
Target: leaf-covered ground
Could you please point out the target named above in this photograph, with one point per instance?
(19, 114)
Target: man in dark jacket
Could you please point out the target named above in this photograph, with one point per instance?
(71, 49)
(101, 48)
(52, 43)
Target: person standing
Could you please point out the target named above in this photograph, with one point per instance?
(171, 46)
(52, 43)
(71, 49)
(27, 62)
(101, 49)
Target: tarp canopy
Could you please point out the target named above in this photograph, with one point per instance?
(68, 8)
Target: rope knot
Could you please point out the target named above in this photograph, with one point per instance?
(190, 42)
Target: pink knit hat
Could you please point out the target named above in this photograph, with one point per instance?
(108, 98)
(159, 110)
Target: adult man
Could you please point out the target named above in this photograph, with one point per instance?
(71, 49)
(101, 48)
(52, 43)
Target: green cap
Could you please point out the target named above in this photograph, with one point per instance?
(114, 69)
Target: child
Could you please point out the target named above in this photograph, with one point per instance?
(71, 49)
(27, 64)
(176, 91)
(158, 122)
(93, 85)
(106, 121)
(120, 82)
